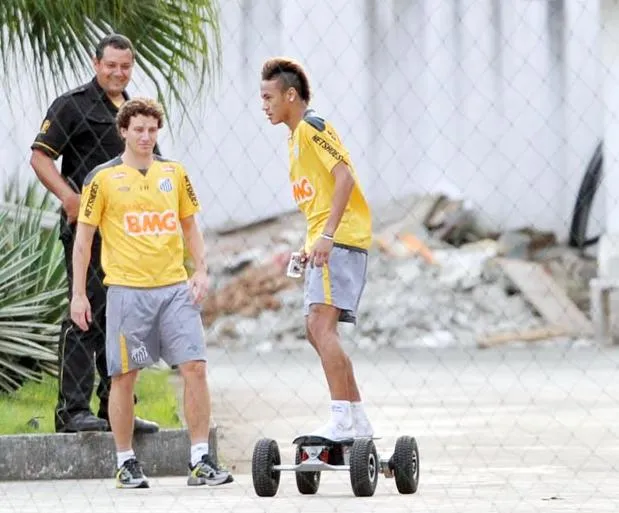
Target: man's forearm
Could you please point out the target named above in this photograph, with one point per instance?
(344, 184)
(49, 176)
(81, 259)
(197, 249)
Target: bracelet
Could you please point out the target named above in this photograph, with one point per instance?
(326, 236)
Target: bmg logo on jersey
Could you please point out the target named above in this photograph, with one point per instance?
(151, 223)
(303, 190)
(165, 185)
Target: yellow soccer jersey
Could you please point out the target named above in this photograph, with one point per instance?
(138, 215)
(315, 149)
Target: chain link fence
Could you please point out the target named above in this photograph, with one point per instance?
(472, 125)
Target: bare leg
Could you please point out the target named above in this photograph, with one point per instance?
(322, 334)
(121, 409)
(197, 401)
(198, 414)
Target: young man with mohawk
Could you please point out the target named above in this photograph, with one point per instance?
(339, 233)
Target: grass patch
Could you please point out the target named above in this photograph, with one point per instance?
(156, 401)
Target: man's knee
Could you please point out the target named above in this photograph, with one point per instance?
(195, 369)
(321, 322)
(125, 381)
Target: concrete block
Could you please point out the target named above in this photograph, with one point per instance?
(92, 455)
(608, 256)
(600, 290)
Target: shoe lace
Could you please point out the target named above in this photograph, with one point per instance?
(133, 466)
(210, 464)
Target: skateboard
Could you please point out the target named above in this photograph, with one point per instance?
(357, 456)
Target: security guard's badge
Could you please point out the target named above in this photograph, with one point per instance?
(45, 126)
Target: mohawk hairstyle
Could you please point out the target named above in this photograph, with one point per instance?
(289, 73)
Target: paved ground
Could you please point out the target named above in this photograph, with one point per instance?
(521, 430)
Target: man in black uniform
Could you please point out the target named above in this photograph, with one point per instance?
(80, 126)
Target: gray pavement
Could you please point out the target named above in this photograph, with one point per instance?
(526, 429)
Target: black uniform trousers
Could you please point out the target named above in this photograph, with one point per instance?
(81, 351)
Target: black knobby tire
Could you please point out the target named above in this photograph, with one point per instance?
(307, 482)
(266, 455)
(405, 462)
(364, 467)
(584, 201)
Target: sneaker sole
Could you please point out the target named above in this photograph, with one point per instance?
(130, 486)
(201, 481)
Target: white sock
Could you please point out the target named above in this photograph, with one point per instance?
(123, 456)
(340, 413)
(197, 451)
(358, 412)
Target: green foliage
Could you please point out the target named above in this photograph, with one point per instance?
(174, 39)
(32, 291)
(31, 408)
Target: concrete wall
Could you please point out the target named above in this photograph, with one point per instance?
(497, 101)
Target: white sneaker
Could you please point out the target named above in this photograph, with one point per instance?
(334, 432)
(363, 430)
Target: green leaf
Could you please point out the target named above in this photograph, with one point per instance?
(23, 348)
(33, 294)
(30, 325)
(28, 338)
(178, 42)
(35, 300)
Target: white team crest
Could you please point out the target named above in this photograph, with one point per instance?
(139, 354)
(165, 185)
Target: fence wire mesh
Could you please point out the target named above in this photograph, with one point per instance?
(475, 128)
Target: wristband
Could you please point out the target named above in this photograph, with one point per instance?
(326, 236)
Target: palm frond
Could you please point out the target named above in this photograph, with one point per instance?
(175, 40)
(32, 294)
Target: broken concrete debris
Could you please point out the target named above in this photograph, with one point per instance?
(435, 279)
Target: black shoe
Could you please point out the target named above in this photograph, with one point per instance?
(83, 421)
(141, 426)
(206, 472)
(131, 475)
(144, 426)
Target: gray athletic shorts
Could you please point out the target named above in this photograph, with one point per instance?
(339, 283)
(147, 324)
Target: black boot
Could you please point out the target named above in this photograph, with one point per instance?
(82, 421)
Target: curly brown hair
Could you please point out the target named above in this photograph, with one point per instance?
(290, 74)
(139, 107)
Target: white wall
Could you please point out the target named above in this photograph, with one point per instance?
(497, 101)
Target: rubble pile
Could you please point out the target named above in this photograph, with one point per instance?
(435, 279)
(251, 292)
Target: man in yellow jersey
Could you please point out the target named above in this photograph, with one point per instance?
(143, 205)
(339, 233)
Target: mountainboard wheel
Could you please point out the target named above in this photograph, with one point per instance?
(265, 457)
(307, 482)
(406, 464)
(364, 467)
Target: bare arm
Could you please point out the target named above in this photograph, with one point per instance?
(195, 243)
(197, 249)
(80, 306)
(50, 177)
(344, 184)
(48, 174)
(81, 256)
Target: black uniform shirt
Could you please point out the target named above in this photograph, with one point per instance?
(81, 126)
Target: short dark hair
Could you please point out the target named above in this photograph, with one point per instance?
(290, 74)
(117, 41)
(138, 107)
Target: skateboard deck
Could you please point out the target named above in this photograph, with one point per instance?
(320, 440)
